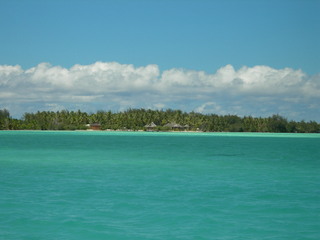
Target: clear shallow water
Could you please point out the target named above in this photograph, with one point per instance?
(113, 185)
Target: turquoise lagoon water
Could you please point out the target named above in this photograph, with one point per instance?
(127, 186)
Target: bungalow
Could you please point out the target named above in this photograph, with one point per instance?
(95, 126)
(186, 127)
(174, 126)
(150, 127)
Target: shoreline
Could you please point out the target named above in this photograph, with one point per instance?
(90, 130)
(171, 132)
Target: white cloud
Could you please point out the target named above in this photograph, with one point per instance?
(257, 89)
(158, 106)
(86, 98)
(202, 108)
(213, 107)
(260, 79)
(54, 107)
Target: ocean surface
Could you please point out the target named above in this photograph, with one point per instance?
(140, 185)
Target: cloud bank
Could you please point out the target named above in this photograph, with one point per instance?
(256, 91)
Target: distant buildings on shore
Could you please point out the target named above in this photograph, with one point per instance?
(149, 127)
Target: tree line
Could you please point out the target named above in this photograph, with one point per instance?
(137, 119)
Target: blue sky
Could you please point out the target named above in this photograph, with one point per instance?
(197, 39)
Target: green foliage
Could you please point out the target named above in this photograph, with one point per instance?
(4, 119)
(137, 119)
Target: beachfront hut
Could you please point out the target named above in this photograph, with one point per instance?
(150, 127)
(95, 126)
(174, 126)
(186, 127)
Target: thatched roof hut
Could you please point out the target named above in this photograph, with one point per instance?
(151, 126)
(95, 126)
(173, 126)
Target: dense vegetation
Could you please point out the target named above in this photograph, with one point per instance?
(137, 119)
